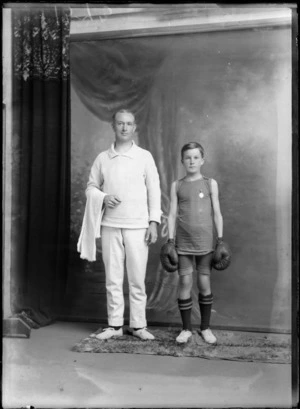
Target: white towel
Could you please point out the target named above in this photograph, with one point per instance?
(90, 229)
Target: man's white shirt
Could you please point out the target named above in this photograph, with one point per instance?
(133, 177)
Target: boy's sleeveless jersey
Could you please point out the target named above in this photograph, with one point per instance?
(194, 229)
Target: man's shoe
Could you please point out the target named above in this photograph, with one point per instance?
(208, 336)
(184, 336)
(110, 332)
(142, 333)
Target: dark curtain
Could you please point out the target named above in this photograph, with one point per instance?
(112, 74)
(41, 162)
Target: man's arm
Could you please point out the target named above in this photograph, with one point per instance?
(95, 176)
(95, 182)
(154, 200)
(153, 191)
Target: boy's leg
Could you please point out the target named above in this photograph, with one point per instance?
(205, 305)
(185, 308)
(113, 255)
(185, 270)
(205, 295)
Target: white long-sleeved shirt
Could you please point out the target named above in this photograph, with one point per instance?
(133, 177)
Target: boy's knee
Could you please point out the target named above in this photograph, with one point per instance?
(185, 281)
(204, 270)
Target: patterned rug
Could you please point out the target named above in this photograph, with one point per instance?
(231, 345)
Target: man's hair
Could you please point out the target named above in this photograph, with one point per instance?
(122, 111)
(192, 145)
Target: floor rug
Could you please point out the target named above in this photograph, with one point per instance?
(231, 345)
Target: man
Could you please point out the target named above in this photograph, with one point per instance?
(128, 177)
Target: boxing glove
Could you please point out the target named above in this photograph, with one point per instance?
(169, 256)
(222, 255)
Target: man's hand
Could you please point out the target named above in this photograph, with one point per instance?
(151, 234)
(111, 201)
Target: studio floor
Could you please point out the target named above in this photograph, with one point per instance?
(43, 372)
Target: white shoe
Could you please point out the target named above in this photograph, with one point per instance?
(184, 336)
(208, 336)
(142, 333)
(110, 332)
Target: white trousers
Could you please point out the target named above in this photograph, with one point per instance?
(120, 247)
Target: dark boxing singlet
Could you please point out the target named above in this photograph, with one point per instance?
(194, 229)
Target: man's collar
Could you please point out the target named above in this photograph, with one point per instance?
(130, 153)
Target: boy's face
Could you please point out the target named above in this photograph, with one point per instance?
(192, 161)
(124, 127)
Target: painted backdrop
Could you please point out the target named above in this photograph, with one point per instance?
(231, 91)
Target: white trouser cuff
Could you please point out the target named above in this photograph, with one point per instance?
(116, 323)
(138, 324)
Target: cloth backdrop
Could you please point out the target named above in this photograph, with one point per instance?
(229, 91)
(41, 161)
(110, 75)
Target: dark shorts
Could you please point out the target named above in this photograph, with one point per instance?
(186, 264)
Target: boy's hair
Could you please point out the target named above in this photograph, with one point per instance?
(192, 145)
(122, 111)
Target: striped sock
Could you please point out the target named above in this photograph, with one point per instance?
(205, 304)
(185, 308)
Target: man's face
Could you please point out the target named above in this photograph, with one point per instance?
(124, 126)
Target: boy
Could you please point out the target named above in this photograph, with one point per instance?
(194, 210)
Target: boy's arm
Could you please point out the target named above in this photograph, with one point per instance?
(172, 212)
(168, 253)
(218, 218)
